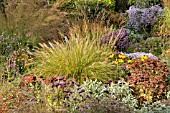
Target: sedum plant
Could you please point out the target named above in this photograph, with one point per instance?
(77, 58)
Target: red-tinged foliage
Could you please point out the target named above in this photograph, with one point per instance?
(148, 80)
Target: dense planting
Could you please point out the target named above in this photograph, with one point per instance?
(84, 56)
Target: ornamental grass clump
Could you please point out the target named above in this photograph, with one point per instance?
(78, 58)
(148, 78)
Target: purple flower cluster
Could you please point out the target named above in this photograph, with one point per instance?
(139, 19)
(122, 43)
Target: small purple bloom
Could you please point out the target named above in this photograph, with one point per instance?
(67, 97)
(78, 85)
(33, 99)
(82, 91)
(87, 96)
(66, 91)
(53, 99)
(74, 98)
(86, 106)
(56, 85)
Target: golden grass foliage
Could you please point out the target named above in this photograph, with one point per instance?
(78, 58)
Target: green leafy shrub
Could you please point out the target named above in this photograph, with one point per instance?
(143, 3)
(154, 45)
(13, 56)
(148, 78)
(77, 58)
(90, 8)
(121, 5)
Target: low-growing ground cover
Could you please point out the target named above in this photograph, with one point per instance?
(89, 56)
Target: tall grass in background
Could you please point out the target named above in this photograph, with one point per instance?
(87, 29)
(165, 24)
(165, 33)
(20, 16)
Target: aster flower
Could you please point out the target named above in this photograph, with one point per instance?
(139, 18)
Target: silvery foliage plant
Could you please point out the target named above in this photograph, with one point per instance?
(90, 90)
(156, 107)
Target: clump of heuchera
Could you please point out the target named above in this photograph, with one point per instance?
(148, 78)
(118, 38)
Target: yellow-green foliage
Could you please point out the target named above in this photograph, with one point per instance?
(79, 58)
(165, 25)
